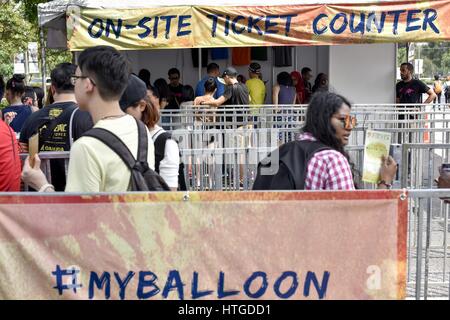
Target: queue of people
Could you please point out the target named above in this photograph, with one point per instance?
(102, 93)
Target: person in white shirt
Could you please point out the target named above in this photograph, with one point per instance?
(142, 102)
(100, 79)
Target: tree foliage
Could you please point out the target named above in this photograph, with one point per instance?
(436, 57)
(15, 33)
(18, 26)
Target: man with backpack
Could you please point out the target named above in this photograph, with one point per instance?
(95, 166)
(58, 124)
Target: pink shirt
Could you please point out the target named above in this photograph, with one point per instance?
(327, 170)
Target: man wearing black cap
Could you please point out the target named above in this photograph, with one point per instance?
(235, 93)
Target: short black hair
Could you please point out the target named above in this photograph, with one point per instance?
(436, 77)
(408, 65)
(212, 67)
(210, 85)
(305, 70)
(162, 87)
(145, 76)
(61, 77)
(108, 68)
(187, 93)
(174, 71)
(154, 91)
(16, 84)
(284, 79)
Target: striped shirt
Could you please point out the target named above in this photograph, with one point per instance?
(327, 170)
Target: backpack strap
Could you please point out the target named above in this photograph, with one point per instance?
(114, 143)
(290, 159)
(137, 168)
(160, 147)
(71, 126)
(142, 153)
(118, 146)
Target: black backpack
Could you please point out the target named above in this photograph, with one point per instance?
(143, 178)
(292, 160)
(160, 148)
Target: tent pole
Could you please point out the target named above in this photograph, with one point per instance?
(199, 64)
(295, 59)
(43, 58)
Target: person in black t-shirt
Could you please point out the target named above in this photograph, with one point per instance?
(58, 124)
(176, 89)
(410, 90)
(235, 93)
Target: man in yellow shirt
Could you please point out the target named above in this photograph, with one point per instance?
(256, 87)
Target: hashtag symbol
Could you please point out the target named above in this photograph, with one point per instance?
(60, 275)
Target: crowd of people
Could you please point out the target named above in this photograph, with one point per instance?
(101, 92)
(232, 88)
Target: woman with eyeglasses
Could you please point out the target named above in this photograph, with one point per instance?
(328, 120)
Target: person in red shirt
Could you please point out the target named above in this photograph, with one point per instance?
(10, 165)
(299, 85)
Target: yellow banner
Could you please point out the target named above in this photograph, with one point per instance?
(214, 245)
(203, 26)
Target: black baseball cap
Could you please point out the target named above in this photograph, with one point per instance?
(136, 91)
(230, 71)
(254, 67)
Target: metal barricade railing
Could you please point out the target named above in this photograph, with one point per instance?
(428, 255)
(46, 157)
(410, 123)
(227, 160)
(421, 162)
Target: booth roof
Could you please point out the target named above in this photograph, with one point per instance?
(52, 10)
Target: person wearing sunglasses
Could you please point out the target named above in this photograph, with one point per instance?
(328, 120)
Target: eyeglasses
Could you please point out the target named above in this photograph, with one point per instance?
(348, 121)
(73, 79)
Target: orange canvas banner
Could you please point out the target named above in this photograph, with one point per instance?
(246, 26)
(214, 245)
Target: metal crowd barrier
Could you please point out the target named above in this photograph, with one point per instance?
(428, 255)
(45, 162)
(410, 123)
(227, 160)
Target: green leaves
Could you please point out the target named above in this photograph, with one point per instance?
(18, 26)
(15, 33)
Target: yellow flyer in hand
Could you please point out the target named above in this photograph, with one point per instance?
(377, 144)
